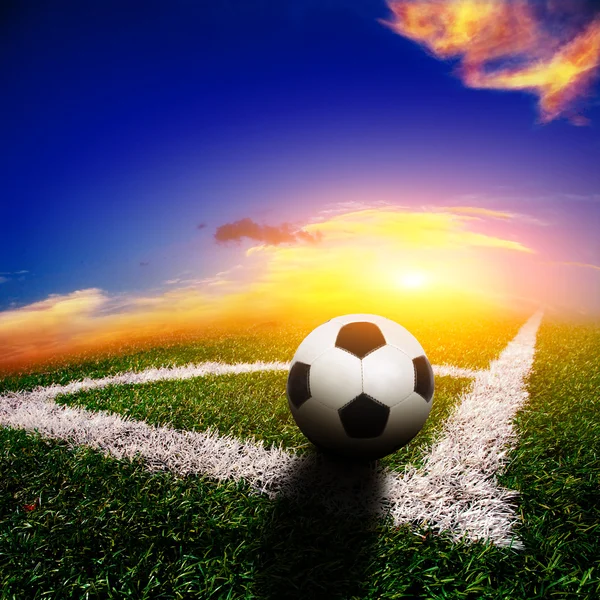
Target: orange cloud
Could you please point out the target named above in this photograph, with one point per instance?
(85, 320)
(284, 234)
(40, 327)
(361, 264)
(508, 45)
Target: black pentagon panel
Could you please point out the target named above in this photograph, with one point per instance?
(364, 417)
(360, 338)
(423, 377)
(298, 385)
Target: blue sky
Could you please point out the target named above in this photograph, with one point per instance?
(128, 125)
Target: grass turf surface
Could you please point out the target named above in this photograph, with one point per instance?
(111, 529)
(246, 406)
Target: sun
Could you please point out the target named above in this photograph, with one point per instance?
(412, 279)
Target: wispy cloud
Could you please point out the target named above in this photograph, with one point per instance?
(6, 275)
(347, 206)
(247, 228)
(576, 264)
(229, 277)
(433, 229)
(580, 197)
(483, 212)
(89, 319)
(536, 47)
(479, 211)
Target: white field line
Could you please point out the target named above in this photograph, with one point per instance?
(186, 372)
(455, 491)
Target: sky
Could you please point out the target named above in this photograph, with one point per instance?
(167, 164)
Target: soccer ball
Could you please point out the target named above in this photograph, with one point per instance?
(360, 386)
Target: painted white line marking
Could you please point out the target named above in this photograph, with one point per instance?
(454, 491)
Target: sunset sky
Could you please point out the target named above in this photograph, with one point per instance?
(165, 164)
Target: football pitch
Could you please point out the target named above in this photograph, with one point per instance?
(177, 471)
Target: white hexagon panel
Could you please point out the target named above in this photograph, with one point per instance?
(388, 375)
(335, 378)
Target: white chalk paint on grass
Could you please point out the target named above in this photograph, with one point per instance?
(455, 491)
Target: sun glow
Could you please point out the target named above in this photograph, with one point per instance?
(412, 279)
(393, 262)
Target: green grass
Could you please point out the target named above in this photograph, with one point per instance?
(246, 406)
(469, 344)
(111, 529)
(108, 527)
(556, 465)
